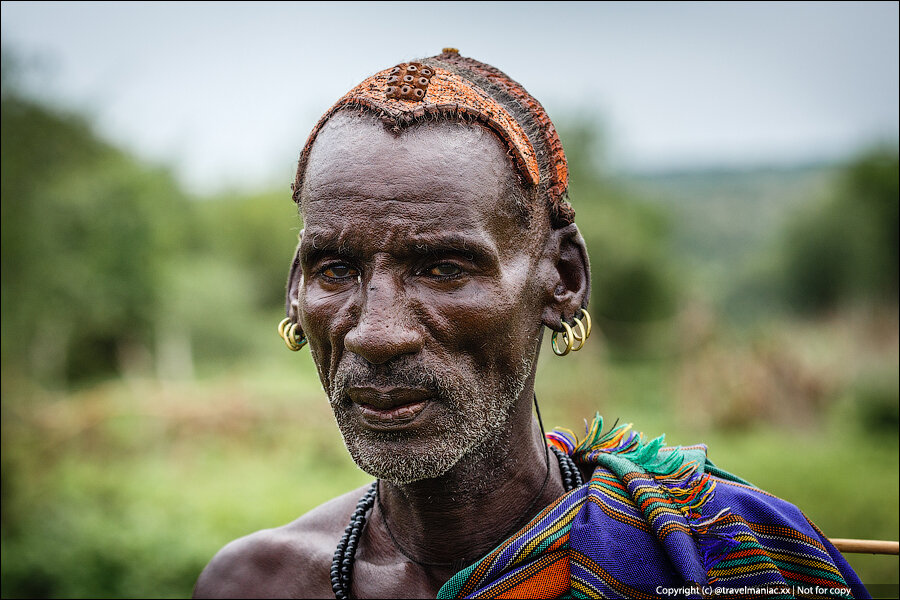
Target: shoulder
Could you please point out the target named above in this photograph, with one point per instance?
(772, 521)
(756, 505)
(289, 561)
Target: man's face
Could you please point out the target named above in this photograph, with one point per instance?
(418, 295)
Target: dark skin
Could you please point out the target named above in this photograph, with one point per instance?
(363, 289)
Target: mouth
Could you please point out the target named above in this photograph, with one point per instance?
(389, 408)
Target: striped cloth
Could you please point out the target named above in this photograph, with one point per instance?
(653, 522)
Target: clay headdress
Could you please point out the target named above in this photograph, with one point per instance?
(451, 86)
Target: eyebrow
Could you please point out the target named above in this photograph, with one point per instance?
(451, 242)
(316, 244)
(324, 243)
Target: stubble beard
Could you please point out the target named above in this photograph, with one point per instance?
(473, 419)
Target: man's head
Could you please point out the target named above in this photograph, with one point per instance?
(429, 264)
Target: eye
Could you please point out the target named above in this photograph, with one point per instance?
(444, 270)
(339, 271)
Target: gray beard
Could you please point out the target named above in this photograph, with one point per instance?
(474, 419)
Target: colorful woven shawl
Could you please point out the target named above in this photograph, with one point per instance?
(653, 522)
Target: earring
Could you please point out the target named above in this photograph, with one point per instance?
(584, 329)
(580, 334)
(587, 322)
(291, 334)
(569, 340)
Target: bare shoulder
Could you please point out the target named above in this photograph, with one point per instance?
(292, 561)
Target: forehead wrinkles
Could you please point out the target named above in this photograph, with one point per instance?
(336, 210)
(436, 160)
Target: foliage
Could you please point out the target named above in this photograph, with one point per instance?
(256, 233)
(85, 231)
(635, 291)
(844, 248)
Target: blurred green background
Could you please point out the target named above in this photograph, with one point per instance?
(150, 414)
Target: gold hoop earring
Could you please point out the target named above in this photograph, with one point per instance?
(296, 337)
(281, 327)
(587, 323)
(580, 334)
(289, 334)
(570, 339)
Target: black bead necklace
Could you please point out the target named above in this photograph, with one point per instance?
(571, 474)
(345, 554)
(342, 564)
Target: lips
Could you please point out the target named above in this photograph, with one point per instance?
(390, 407)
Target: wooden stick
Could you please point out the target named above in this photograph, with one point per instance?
(866, 546)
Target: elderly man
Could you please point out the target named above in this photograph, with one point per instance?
(438, 244)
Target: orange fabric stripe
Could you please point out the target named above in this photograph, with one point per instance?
(550, 582)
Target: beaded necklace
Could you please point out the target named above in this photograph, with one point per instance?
(345, 554)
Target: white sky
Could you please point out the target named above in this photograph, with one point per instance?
(226, 93)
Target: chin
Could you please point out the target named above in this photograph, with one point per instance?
(402, 459)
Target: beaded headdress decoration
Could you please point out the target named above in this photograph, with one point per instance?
(452, 86)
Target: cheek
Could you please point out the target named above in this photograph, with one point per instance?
(494, 323)
(325, 320)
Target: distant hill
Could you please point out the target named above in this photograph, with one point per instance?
(721, 219)
(720, 215)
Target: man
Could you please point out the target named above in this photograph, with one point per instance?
(438, 244)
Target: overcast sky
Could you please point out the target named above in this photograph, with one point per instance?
(226, 93)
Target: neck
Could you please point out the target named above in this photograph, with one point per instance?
(488, 495)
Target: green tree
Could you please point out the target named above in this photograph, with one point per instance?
(635, 289)
(85, 232)
(844, 248)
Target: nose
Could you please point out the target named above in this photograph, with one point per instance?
(386, 327)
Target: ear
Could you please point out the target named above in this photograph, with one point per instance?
(295, 280)
(568, 286)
